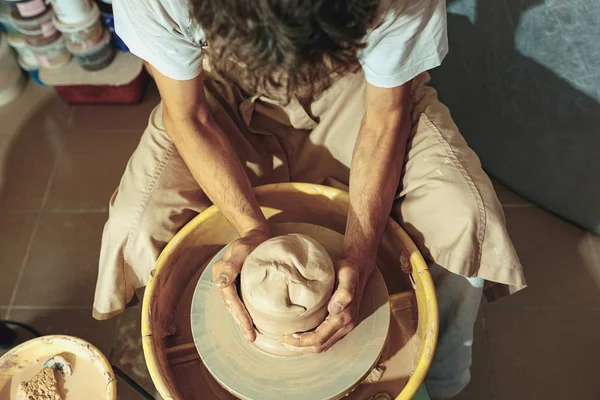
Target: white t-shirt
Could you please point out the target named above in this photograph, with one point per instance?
(410, 39)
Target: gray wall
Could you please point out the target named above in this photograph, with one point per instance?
(522, 81)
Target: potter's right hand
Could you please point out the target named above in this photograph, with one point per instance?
(225, 272)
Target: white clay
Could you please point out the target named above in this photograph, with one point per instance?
(286, 284)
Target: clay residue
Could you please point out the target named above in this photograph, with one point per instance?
(8, 362)
(42, 386)
(87, 381)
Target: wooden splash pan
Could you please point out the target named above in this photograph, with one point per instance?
(171, 356)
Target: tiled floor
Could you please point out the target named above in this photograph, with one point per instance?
(60, 164)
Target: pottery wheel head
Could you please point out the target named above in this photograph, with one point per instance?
(249, 373)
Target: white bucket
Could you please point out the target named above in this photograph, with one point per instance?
(26, 56)
(86, 33)
(11, 77)
(71, 11)
(53, 55)
(95, 57)
(38, 31)
(26, 8)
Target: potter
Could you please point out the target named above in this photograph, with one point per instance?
(325, 92)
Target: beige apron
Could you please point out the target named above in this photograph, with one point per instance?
(446, 203)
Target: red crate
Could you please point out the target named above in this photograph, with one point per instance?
(130, 93)
(124, 81)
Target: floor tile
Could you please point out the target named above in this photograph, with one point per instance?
(15, 232)
(116, 118)
(89, 170)
(70, 322)
(26, 163)
(480, 387)
(37, 109)
(127, 353)
(22, 333)
(63, 264)
(557, 258)
(126, 392)
(545, 354)
(507, 196)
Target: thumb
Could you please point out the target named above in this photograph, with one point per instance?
(225, 272)
(348, 279)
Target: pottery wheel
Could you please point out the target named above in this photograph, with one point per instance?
(248, 373)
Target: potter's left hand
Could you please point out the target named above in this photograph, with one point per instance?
(343, 309)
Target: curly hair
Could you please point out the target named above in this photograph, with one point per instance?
(284, 46)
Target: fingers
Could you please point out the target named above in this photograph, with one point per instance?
(342, 314)
(238, 311)
(348, 279)
(226, 270)
(329, 332)
(335, 338)
(224, 274)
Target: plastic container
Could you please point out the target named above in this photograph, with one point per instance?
(86, 33)
(96, 57)
(23, 51)
(72, 12)
(109, 23)
(11, 77)
(26, 8)
(53, 55)
(38, 31)
(166, 306)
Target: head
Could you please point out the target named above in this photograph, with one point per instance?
(284, 45)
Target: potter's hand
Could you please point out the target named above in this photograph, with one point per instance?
(225, 272)
(343, 309)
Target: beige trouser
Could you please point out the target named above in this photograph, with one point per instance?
(447, 203)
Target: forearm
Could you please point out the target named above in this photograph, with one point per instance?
(214, 164)
(374, 178)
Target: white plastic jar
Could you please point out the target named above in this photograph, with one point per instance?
(72, 12)
(53, 55)
(95, 57)
(38, 31)
(86, 33)
(25, 54)
(26, 8)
